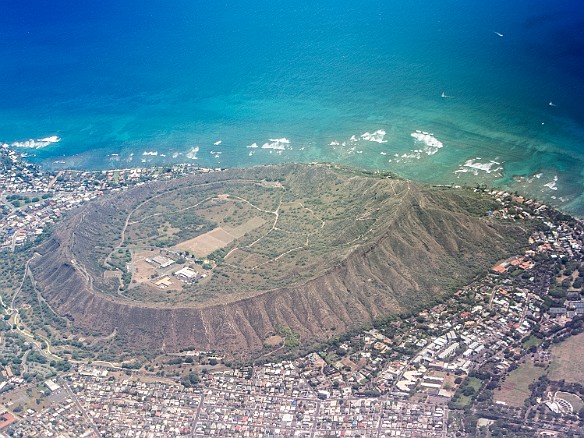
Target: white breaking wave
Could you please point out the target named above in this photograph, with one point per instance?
(377, 136)
(354, 141)
(532, 178)
(552, 185)
(36, 144)
(152, 153)
(432, 144)
(217, 143)
(277, 144)
(252, 146)
(415, 154)
(192, 154)
(475, 167)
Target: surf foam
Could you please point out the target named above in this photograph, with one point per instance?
(474, 166)
(36, 144)
(377, 136)
(552, 185)
(192, 154)
(279, 144)
(431, 143)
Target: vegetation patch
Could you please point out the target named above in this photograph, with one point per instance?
(568, 360)
(466, 393)
(515, 389)
(532, 341)
(291, 337)
(205, 244)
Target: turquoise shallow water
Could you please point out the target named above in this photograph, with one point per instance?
(144, 83)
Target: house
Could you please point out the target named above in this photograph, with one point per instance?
(161, 261)
(6, 418)
(558, 312)
(188, 275)
(164, 282)
(52, 385)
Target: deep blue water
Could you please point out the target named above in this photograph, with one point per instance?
(116, 79)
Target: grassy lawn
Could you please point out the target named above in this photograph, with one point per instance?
(464, 400)
(532, 340)
(25, 398)
(515, 389)
(568, 360)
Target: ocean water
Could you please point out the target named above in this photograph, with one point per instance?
(495, 88)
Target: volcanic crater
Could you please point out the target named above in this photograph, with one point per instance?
(224, 260)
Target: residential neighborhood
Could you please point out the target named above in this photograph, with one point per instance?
(32, 200)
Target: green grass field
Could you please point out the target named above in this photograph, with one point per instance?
(464, 400)
(568, 360)
(515, 389)
(531, 341)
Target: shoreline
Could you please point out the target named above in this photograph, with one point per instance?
(37, 187)
(27, 216)
(418, 162)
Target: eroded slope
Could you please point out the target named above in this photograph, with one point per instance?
(367, 246)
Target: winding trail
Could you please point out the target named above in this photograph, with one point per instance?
(275, 228)
(126, 223)
(276, 213)
(16, 321)
(166, 192)
(44, 344)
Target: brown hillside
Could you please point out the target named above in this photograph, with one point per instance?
(372, 246)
